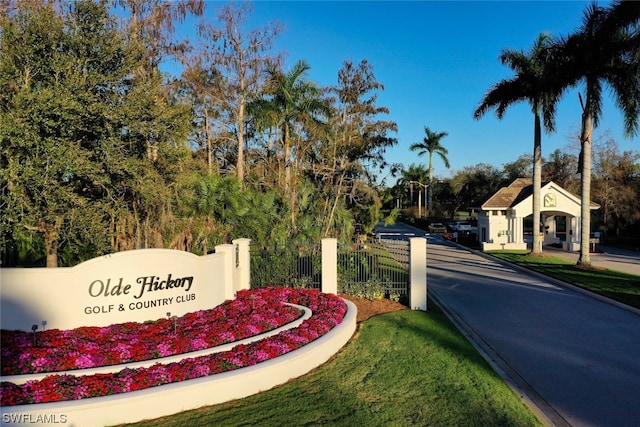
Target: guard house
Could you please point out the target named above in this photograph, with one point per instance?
(501, 216)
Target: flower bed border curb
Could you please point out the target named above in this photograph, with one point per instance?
(191, 394)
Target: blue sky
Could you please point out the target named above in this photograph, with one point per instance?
(436, 60)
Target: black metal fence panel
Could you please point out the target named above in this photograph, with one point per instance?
(368, 269)
(290, 266)
(374, 269)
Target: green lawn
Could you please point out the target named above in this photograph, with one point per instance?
(401, 369)
(405, 368)
(616, 285)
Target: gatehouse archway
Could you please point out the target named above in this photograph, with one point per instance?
(501, 218)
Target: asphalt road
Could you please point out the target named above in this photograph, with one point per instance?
(574, 357)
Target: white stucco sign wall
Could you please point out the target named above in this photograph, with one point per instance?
(129, 286)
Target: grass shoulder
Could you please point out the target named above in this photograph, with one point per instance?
(401, 368)
(622, 287)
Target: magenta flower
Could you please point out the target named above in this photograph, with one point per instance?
(89, 347)
(210, 328)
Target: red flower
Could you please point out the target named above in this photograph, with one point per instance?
(252, 312)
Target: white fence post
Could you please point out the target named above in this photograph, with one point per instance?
(418, 273)
(329, 266)
(229, 276)
(244, 263)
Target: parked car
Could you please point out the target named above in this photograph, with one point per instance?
(461, 227)
(437, 227)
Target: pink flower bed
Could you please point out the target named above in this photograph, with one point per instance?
(248, 315)
(328, 312)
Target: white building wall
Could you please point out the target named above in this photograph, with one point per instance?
(500, 229)
(503, 232)
(572, 243)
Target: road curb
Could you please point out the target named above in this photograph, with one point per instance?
(545, 412)
(555, 281)
(540, 407)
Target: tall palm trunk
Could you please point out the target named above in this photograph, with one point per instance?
(287, 158)
(429, 200)
(585, 185)
(288, 188)
(240, 126)
(537, 184)
(207, 138)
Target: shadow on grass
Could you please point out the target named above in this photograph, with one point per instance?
(619, 286)
(453, 372)
(401, 369)
(437, 332)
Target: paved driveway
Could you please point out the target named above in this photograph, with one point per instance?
(576, 357)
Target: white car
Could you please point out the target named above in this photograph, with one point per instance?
(461, 227)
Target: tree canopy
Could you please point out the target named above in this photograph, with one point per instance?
(101, 151)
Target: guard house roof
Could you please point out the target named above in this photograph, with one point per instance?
(516, 192)
(506, 197)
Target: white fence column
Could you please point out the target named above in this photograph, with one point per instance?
(244, 263)
(329, 266)
(418, 273)
(229, 269)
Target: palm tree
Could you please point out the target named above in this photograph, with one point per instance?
(531, 83)
(604, 50)
(431, 144)
(291, 102)
(415, 173)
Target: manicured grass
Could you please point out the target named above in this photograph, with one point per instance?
(616, 285)
(372, 272)
(403, 368)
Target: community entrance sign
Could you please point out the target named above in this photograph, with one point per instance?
(129, 286)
